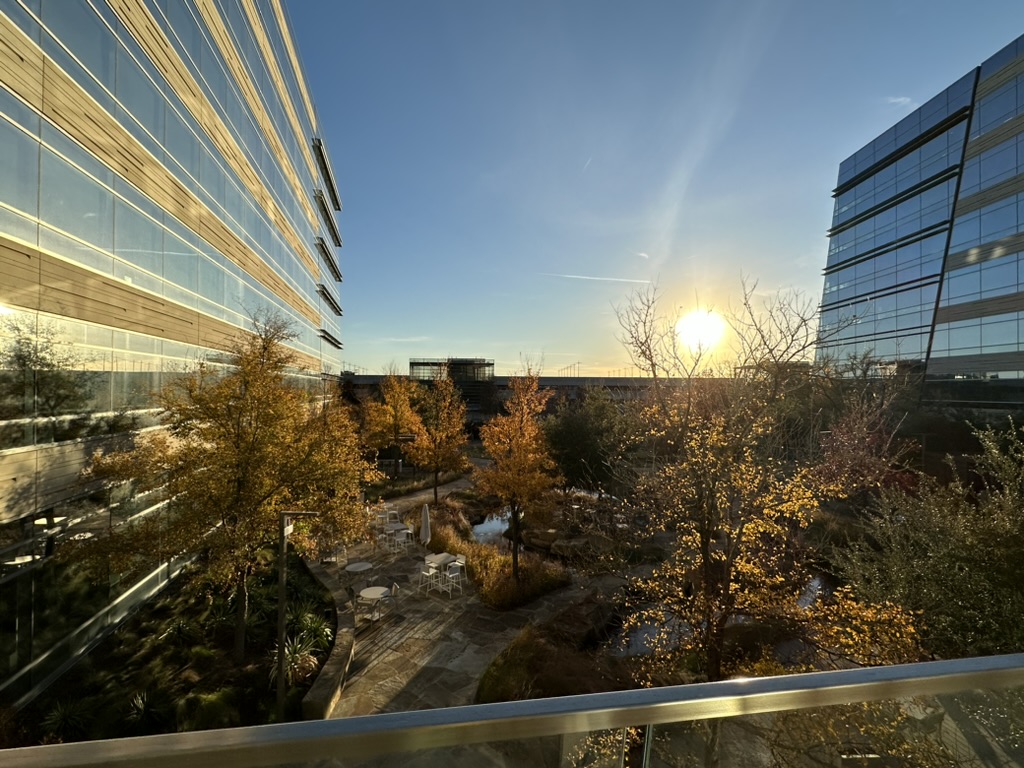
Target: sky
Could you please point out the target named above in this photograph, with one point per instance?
(512, 172)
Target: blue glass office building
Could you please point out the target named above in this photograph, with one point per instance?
(163, 176)
(925, 265)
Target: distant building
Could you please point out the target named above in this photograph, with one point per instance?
(925, 266)
(472, 376)
(163, 175)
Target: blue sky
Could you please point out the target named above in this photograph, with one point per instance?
(512, 171)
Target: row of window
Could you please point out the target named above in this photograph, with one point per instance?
(182, 23)
(908, 347)
(986, 225)
(124, 234)
(998, 277)
(937, 109)
(155, 116)
(999, 60)
(984, 335)
(63, 370)
(926, 161)
(931, 207)
(1001, 162)
(915, 261)
(995, 108)
(895, 312)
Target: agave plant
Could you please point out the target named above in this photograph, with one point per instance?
(68, 720)
(299, 660)
(316, 629)
(148, 712)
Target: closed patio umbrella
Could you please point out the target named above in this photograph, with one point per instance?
(425, 525)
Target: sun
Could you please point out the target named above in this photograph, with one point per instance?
(701, 330)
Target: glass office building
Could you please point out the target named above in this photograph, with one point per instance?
(927, 235)
(163, 176)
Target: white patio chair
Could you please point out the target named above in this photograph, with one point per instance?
(454, 576)
(393, 516)
(429, 577)
(390, 600)
(403, 539)
(444, 584)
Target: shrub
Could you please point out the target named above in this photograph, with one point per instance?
(316, 630)
(299, 660)
(202, 711)
(491, 570)
(148, 712)
(545, 661)
(68, 720)
(203, 659)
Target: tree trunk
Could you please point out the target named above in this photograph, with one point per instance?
(241, 614)
(514, 520)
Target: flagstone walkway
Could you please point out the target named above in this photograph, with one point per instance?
(432, 649)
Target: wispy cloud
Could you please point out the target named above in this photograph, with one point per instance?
(587, 164)
(592, 277)
(902, 101)
(642, 255)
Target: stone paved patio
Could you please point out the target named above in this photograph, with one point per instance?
(431, 650)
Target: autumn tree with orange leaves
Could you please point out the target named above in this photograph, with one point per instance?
(240, 445)
(522, 473)
(386, 420)
(440, 432)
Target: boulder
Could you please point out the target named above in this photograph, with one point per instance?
(585, 623)
(539, 539)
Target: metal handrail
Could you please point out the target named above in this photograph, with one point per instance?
(377, 735)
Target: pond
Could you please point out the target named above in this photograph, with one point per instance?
(490, 530)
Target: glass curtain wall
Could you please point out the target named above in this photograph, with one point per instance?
(160, 170)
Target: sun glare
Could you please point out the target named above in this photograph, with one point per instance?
(701, 330)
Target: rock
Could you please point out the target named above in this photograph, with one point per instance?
(585, 623)
(539, 539)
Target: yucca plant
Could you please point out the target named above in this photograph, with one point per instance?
(316, 629)
(68, 720)
(299, 660)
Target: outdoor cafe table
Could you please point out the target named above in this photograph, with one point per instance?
(440, 560)
(374, 595)
(395, 527)
(358, 567)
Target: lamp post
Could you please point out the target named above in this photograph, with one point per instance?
(282, 578)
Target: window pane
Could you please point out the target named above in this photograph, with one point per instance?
(19, 169)
(76, 203)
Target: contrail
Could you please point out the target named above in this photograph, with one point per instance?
(591, 277)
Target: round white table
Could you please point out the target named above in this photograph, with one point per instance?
(358, 567)
(374, 593)
(395, 527)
